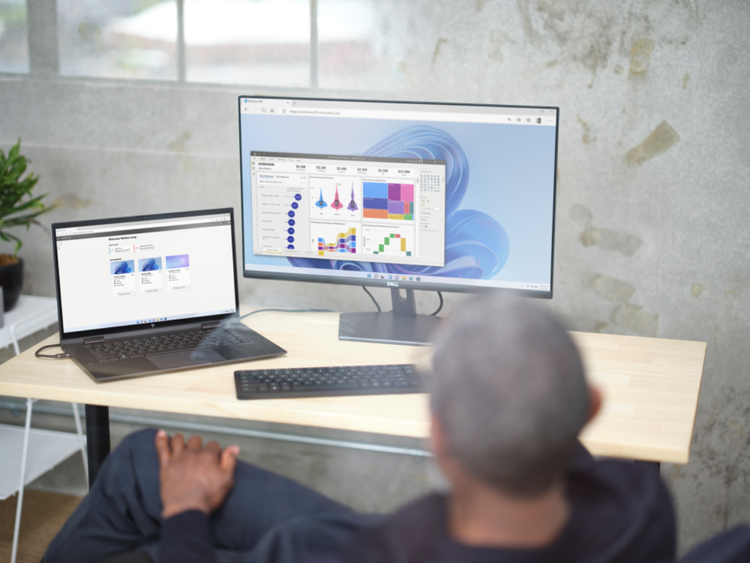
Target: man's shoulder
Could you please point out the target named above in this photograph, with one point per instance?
(613, 480)
(620, 511)
(410, 534)
(620, 507)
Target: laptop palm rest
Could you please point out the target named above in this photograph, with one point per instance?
(201, 356)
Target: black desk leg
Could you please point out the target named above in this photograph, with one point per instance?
(97, 438)
(654, 465)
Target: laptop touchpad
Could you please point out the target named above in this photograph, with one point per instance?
(188, 358)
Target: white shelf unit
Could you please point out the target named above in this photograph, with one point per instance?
(40, 450)
(30, 314)
(46, 449)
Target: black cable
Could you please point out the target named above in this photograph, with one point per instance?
(51, 356)
(287, 311)
(373, 299)
(440, 294)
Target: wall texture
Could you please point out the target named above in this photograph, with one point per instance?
(653, 236)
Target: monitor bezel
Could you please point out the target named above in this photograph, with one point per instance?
(401, 284)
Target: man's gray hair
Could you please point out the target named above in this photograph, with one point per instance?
(510, 393)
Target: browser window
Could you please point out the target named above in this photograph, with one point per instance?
(364, 208)
(443, 195)
(145, 272)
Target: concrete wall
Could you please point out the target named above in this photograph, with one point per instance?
(652, 230)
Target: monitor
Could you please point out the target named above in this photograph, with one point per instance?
(401, 195)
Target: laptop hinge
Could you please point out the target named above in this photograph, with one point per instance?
(213, 324)
(93, 340)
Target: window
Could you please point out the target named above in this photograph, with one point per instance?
(14, 43)
(354, 49)
(265, 42)
(124, 39)
(320, 206)
(335, 44)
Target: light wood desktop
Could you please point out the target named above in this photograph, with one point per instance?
(650, 388)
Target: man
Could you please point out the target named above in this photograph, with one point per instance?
(508, 398)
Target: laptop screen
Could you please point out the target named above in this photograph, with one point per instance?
(116, 274)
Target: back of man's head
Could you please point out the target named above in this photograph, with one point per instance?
(509, 393)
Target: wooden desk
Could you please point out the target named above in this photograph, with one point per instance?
(650, 388)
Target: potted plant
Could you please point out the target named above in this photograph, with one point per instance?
(17, 208)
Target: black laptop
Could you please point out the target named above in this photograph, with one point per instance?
(148, 294)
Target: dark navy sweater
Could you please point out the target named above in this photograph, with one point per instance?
(620, 513)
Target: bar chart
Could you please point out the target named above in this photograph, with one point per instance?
(388, 241)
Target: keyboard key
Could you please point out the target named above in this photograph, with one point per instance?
(333, 386)
(393, 375)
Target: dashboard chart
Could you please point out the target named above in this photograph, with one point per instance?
(388, 201)
(335, 197)
(389, 241)
(328, 240)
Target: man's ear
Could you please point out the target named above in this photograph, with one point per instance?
(449, 466)
(595, 403)
(437, 437)
(439, 446)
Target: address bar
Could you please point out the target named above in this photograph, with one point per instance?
(410, 115)
(122, 227)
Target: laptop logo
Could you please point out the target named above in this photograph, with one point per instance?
(153, 325)
(392, 284)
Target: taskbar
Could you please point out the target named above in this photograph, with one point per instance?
(441, 280)
(151, 320)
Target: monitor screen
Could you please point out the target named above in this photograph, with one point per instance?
(449, 197)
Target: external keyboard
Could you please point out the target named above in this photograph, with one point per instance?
(112, 351)
(327, 381)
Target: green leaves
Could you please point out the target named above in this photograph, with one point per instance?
(17, 207)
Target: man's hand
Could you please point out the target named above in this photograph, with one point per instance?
(193, 477)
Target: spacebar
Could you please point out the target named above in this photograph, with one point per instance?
(326, 387)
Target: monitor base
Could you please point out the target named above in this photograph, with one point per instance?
(388, 328)
(402, 326)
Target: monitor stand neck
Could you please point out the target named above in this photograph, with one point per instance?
(402, 326)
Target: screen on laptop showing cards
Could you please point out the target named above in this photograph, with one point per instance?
(152, 271)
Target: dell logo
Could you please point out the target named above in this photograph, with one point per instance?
(392, 284)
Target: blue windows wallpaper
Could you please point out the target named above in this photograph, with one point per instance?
(122, 267)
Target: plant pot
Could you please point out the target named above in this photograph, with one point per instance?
(11, 280)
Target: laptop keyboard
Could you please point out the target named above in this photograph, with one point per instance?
(327, 381)
(116, 350)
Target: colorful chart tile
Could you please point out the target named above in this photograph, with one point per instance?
(345, 242)
(388, 201)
